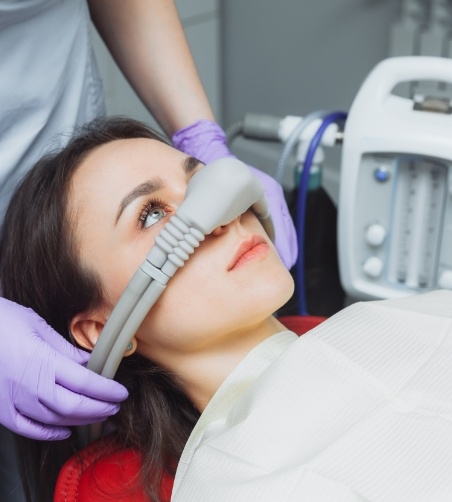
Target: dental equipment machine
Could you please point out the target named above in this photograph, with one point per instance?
(395, 198)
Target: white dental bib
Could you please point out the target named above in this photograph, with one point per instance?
(359, 409)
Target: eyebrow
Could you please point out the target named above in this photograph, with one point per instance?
(189, 164)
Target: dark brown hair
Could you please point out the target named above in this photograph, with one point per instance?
(40, 269)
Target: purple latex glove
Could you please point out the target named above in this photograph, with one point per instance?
(206, 141)
(44, 386)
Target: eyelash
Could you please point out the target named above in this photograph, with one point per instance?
(148, 207)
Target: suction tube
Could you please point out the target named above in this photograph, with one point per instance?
(217, 194)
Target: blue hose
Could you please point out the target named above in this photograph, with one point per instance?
(301, 206)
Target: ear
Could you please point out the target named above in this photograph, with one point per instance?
(87, 327)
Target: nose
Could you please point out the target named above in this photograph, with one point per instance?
(222, 229)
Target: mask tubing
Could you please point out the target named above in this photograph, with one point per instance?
(137, 286)
(134, 321)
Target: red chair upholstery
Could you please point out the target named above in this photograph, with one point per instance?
(301, 324)
(99, 473)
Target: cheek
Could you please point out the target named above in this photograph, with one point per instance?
(192, 311)
(114, 282)
(264, 293)
(186, 312)
(182, 310)
(117, 265)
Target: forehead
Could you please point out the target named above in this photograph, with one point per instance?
(128, 156)
(117, 165)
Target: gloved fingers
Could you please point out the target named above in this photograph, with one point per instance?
(67, 408)
(36, 430)
(203, 139)
(25, 322)
(79, 380)
(58, 343)
(285, 233)
(65, 393)
(32, 403)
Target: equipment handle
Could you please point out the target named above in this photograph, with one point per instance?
(392, 71)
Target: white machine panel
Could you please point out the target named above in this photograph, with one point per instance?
(395, 201)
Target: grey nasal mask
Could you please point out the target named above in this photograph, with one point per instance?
(216, 195)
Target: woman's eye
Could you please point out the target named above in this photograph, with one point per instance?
(153, 217)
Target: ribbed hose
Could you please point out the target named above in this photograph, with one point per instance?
(233, 131)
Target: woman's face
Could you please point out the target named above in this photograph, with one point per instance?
(121, 196)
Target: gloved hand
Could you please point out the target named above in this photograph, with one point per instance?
(43, 385)
(206, 141)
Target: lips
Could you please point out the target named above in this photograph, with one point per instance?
(248, 250)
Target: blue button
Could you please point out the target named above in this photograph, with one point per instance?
(382, 174)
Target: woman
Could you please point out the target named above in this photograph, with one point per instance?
(88, 216)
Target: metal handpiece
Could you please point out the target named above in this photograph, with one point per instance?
(217, 194)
